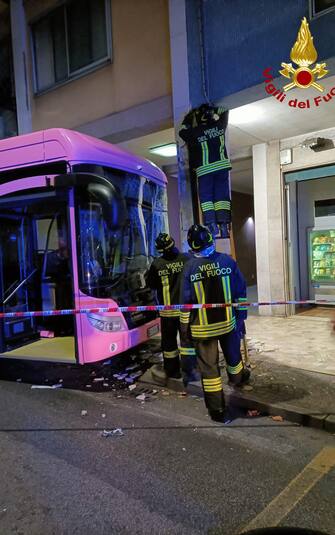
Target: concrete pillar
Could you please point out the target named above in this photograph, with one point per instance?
(181, 104)
(269, 225)
(20, 60)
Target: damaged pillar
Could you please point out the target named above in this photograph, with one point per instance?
(269, 226)
(181, 104)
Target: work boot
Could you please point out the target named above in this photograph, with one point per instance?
(245, 376)
(174, 375)
(244, 379)
(223, 417)
(159, 375)
(217, 416)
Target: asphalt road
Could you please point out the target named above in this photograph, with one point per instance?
(172, 472)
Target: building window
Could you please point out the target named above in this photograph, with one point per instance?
(321, 7)
(8, 122)
(69, 41)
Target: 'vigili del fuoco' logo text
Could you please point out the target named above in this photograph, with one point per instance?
(303, 54)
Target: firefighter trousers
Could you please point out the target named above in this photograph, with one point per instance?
(208, 363)
(214, 194)
(170, 327)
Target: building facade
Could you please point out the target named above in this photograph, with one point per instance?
(127, 71)
(235, 52)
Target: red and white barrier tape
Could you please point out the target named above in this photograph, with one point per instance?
(152, 308)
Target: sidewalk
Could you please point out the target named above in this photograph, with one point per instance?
(293, 371)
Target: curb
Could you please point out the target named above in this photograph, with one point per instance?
(247, 400)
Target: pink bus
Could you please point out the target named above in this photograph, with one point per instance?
(78, 217)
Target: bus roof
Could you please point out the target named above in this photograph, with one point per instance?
(60, 144)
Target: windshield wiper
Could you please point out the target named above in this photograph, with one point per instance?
(19, 286)
(10, 287)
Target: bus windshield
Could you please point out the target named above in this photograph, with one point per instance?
(117, 223)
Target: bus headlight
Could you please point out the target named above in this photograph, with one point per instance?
(106, 323)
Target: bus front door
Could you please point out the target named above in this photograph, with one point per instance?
(17, 275)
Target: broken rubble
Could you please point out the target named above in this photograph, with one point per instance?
(113, 433)
(135, 375)
(46, 387)
(132, 368)
(120, 376)
(277, 418)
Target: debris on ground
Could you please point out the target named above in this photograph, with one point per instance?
(141, 397)
(277, 418)
(247, 388)
(165, 393)
(120, 376)
(256, 346)
(131, 387)
(103, 415)
(253, 413)
(268, 349)
(112, 375)
(113, 433)
(49, 387)
(135, 375)
(83, 413)
(132, 368)
(129, 380)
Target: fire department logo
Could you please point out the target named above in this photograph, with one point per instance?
(304, 54)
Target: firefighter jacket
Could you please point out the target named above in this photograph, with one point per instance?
(206, 143)
(165, 276)
(212, 279)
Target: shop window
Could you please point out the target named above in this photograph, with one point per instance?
(70, 41)
(321, 7)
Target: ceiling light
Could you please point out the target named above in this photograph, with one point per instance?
(168, 150)
(245, 114)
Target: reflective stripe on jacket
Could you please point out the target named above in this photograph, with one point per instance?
(214, 279)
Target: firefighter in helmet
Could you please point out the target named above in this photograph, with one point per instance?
(164, 276)
(213, 277)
